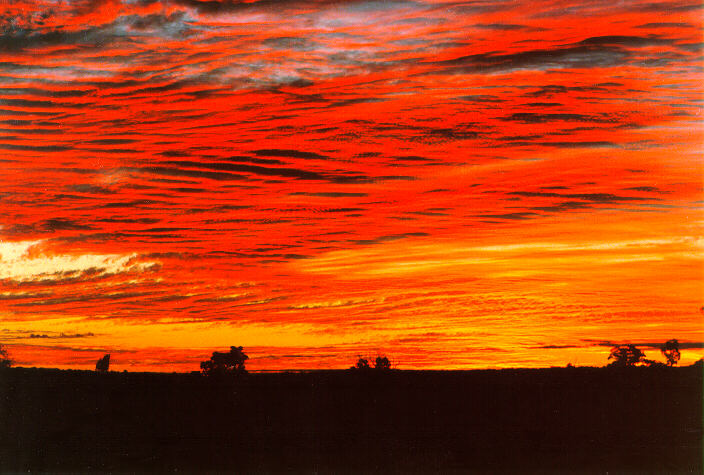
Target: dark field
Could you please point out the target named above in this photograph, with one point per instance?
(571, 419)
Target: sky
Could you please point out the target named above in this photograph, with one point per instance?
(453, 184)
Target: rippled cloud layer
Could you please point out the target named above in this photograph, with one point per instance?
(455, 184)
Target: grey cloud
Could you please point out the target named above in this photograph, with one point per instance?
(29, 35)
(544, 104)
(565, 145)
(254, 169)
(389, 238)
(591, 197)
(684, 345)
(63, 224)
(61, 335)
(90, 189)
(413, 158)
(510, 216)
(675, 6)
(35, 148)
(554, 347)
(167, 171)
(499, 26)
(129, 220)
(647, 189)
(552, 89)
(290, 43)
(328, 194)
(480, 98)
(289, 154)
(632, 41)
(31, 104)
(581, 56)
(23, 296)
(564, 206)
(666, 25)
(84, 298)
(34, 91)
(111, 141)
(537, 118)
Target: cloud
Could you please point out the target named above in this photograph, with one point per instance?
(564, 206)
(500, 26)
(510, 216)
(60, 336)
(46, 226)
(577, 57)
(332, 304)
(290, 43)
(684, 345)
(103, 297)
(289, 154)
(90, 189)
(17, 35)
(35, 148)
(665, 25)
(632, 41)
(32, 260)
(519, 142)
(552, 89)
(591, 197)
(647, 189)
(481, 98)
(111, 141)
(328, 194)
(536, 118)
(265, 171)
(388, 238)
(63, 224)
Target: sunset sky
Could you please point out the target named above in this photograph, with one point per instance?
(475, 184)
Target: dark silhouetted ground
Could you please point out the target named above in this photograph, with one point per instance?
(572, 419)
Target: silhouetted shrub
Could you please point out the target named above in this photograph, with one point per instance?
(382, 363)
(5, 361)
(626, 355)
(225, 363)
(103, 364)
(671, 351)
(362, 363)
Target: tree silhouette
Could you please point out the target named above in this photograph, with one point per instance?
(626, 355)
(225, 363)
(362, 363)
(103, 364)
(382, 363)
(671, 351)
(5, 361)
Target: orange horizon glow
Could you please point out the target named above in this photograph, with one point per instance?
(456, 185)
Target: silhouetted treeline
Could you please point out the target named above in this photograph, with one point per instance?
(221, 363)
(631, 355)
(589, 419)
(103, 364)
(5, 361)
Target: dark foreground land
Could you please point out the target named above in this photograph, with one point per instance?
(555, 420)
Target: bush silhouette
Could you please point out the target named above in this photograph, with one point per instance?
(103, 364)
(225, 363)
(362, 363)
(382, 363)
(671, 351)
(626, 355)
(5, 361)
